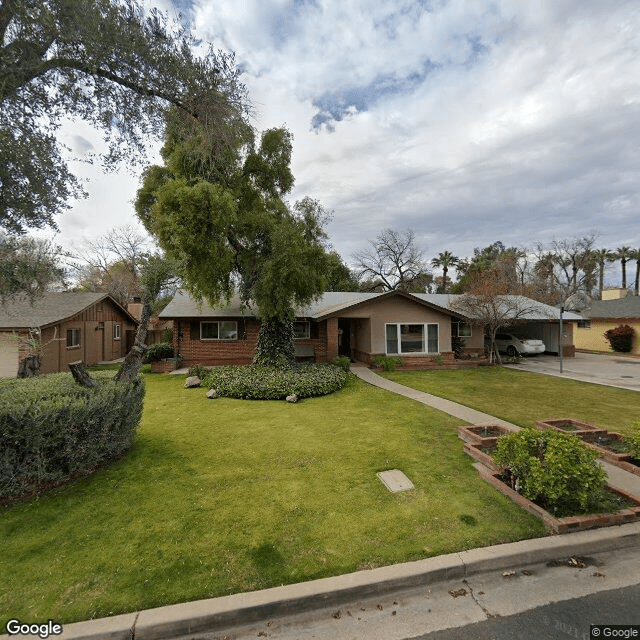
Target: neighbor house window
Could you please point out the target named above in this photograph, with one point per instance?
(584, 324)
(221, 330)
(73, 337)
(116, 332)
(412, 338)
(301, 329)
(461, 329)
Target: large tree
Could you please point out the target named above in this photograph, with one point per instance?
(29, 266)
(221, 214)
(392, 259)
(624, 254)
(106, 62)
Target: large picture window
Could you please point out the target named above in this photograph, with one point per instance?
(220, 330)
(412, 338)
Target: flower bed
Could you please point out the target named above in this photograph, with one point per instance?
(483, 434)
(612, 448)
(567, 524)
(568, 425)
(482, 454)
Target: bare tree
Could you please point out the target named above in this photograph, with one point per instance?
(392, 259)
(111, 263)
(488, 302)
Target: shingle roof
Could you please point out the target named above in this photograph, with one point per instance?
(330, 302)
(628, 307)
(50, 308)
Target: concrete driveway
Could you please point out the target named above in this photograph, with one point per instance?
(609, 370)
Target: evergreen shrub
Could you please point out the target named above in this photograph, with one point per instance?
(556, 470)
(159, 351)
(52, 429)
(621, 338)
(388, 363)
(257, 382)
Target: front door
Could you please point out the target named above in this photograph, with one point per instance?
(344, 337)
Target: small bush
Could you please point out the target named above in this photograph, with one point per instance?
(159, 351)
(621, 338)
(52, 429)
(199, 370)
(343, 362)
(167, 336)
(388, 363)
(256, 382)
(633, 441)
(556, 470)
(457, 346)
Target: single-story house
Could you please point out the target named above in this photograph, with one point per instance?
(68, 326)
(602, 315)
(417, 327)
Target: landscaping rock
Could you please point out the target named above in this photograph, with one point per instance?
(292, 398)
(212, 394)
(192, 382)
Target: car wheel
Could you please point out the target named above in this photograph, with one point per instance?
(512, 352)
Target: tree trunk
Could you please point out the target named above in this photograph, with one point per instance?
(81, 375)
(130, 368)
(275, 344)
(637, 282)
(29, 367)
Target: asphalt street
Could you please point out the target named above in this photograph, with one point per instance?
(559, 621)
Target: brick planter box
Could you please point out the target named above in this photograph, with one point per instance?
(475, 450)
(482, 434)
(571, 523)
(598, 441)
(568, 425)
(164, 366)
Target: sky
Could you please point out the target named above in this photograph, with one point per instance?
(465, 121)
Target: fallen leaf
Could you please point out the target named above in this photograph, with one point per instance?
(337, 614)
(508, 574)
(459, 592)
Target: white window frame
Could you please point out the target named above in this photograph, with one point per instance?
(116, 332)
(308, 331)
(76, 338)
(426, 326)
(218, 323)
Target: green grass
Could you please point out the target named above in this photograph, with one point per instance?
(523, 398)
(224, 496)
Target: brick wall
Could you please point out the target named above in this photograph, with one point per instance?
(240, 351)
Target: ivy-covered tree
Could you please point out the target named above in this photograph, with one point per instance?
(221, 215)
(103, 61)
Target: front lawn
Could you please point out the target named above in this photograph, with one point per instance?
(223, 496)
(523, 398)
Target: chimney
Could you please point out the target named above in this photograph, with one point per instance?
(613, 293)
(135, 308)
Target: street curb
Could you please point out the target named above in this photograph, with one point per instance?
(219, 613)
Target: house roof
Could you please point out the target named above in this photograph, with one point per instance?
(628, 307)
(333, 302)
(534, 310)
(52, 307)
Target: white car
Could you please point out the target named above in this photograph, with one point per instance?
(514, 345)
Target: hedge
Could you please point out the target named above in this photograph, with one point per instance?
(52, 429)
(258, 382)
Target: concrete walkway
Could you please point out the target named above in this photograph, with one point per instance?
(618, 478)
(467, 415)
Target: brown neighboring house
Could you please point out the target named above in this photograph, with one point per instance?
(69, 326)
(417, 327)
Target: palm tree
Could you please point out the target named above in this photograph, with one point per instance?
(636, 257)
(444, 261)
(602, 256)
(624, 254)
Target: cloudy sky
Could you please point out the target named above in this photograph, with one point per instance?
(466, 121)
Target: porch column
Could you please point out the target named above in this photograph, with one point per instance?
(332, 338)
